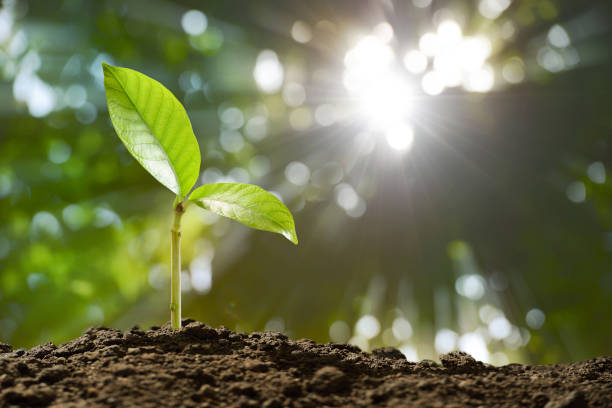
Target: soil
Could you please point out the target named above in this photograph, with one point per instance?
(200, 366)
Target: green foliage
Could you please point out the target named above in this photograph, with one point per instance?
(156, 130)
(154, 127)
(248, 204)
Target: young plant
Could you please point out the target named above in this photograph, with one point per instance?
(155, 129)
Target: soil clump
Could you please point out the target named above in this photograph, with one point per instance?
(200, 366)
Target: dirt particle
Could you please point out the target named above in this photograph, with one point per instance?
(53, 374)
(389, 352)
(243, 388)
(329, 379)
(540, 399)
(42, 351)
(575, 399)
(272, 403)
(200, 331)
(122, 370)
(459, 361)
(207, 391)
(34, 396)
(291, 388)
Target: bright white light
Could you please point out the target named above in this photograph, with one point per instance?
(535, 318)
(325, 115)
(367, 326)
(369, 55)
(103, 217)
(301, 32)
(386, 100)
(550, 59)
(201, 274)
(474, 344)
(259, 166)
(400, 137)
(339, 331)
(231, 141)
(45, 223)
(297, 173)
(75, 216)
(513, 70)
(256, 128)
(18, 44)
(500, 328)
(508, 30)
(446, 341)
(346, 196)
(492, 9)
(432, 83)
(473, 52)
(268, 72)
(429, 44)
(275, 324)
(499, 358)
(240, 175)
(383, 96)
(194, 22)
(232, 118)
(446, 65)
(294, 94)
(415, 62)
(59, 152)
(558, 37)
(383, 31)
(471, 286)
(75, 96)
(410, 352)
(401, 328)
(449, 33)
(481, 80)
(359, 341)
(576, 192)
(514, 340)
(38, 95)
(358, 210)
(487, 313)
(597, 172)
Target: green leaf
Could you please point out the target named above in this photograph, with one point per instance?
(154, 127)
(251, 205)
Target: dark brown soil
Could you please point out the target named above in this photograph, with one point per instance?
(199, 366)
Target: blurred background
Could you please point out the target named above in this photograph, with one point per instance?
(447, 162)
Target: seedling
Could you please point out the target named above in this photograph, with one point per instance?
(155, 129)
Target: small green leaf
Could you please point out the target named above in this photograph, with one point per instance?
(154, 127)
(251, 205)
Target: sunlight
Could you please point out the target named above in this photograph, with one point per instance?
(382, 95)
(384, 85)
(385, 100)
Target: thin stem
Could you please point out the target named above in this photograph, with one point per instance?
(175, 268)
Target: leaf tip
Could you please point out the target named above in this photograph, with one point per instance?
(291, 236)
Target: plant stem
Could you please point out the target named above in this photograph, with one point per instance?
(175, 268)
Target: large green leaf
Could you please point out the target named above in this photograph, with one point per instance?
(154, 127)
(248, 204)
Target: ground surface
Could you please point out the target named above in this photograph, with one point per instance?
(204, 367)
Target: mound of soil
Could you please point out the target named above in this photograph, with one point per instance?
(200, 366)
